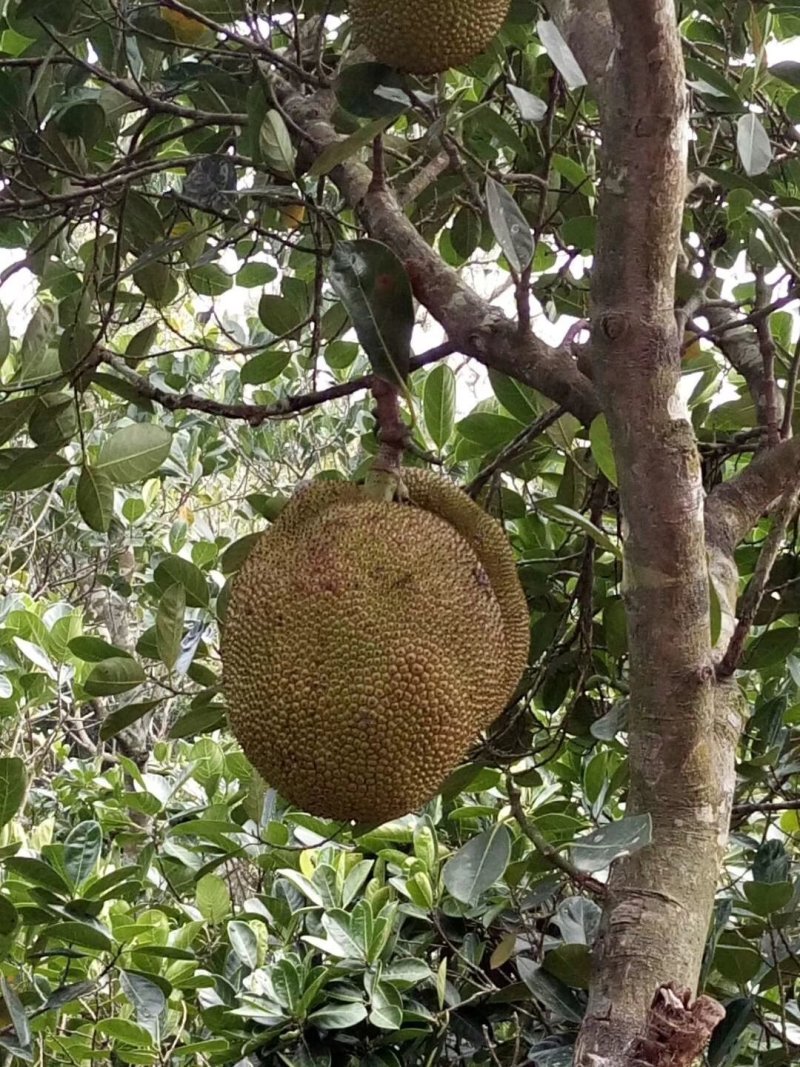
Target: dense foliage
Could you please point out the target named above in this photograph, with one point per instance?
(174, 362)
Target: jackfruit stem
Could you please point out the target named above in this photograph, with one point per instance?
(384, 480)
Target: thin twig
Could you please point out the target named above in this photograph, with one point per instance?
(543, 846)
(766, 346)
(514, 449)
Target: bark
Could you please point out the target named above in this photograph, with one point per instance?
(683, 730)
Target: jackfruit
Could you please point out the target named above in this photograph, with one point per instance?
(426, 36)
(367, 643)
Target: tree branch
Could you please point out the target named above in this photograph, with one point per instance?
(473, 326)
(255, 414)
(735, 506)
(754, 594)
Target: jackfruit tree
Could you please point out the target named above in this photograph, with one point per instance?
(399, 494)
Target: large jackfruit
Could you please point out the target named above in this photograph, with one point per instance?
(426, 36)
(367, 643)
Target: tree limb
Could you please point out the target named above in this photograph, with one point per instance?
(255, 414)
(471, 323)
(735, 506)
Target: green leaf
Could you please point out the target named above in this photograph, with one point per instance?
(174, 570)
(372, 91)
(276, 145)
(169, 624)
(531, 108)
(279, 315)
(737, 960)
(208, 760)
(338, 1016)
(265, 367)
(5, 336)
(37, 872)
(13, 783)
(113, 676)
(509, 226)
(488, 429)
(82, 850)
(147, 993)
(95, 499)
(373, 285)
(772, 863)
(788, 71)
(753, 144)
(386, 1007)
(600, 440)
(439, 404)
(31, 468)
(198, 721)
(125, 1032)
(16, 1013)
(340, 151)
(724, 1048)
(600, 537)
(93, 649)
(572, 964)
(85, 935)
(141, 343)
(766, 898)
(133, 453)
(560, 53)
(14, 414)
(478, 864)
(244, 943)
(212, 898)
(9, 917)
(549, 991)
(120, 718)
(599, 849)
(519, 400)
(770, 648)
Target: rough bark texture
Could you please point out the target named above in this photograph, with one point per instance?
(681, 748)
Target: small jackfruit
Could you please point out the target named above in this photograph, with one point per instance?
(368, 642)
(426, 36)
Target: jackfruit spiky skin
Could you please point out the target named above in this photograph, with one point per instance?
(366, 645)
(426, 36)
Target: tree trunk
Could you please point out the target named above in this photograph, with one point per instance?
(683, 729)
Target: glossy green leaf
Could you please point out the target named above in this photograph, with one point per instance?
(373, 285)
(82, 850)
(13, 783)
(476, 866)
(510, 227)
(597, 850)
(113, 676)
(439, 404)
(133, 453)
(95, 499)
(169, 623)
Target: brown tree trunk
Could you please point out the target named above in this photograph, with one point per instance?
(682, 731)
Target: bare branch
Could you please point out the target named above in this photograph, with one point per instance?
(255, 414)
